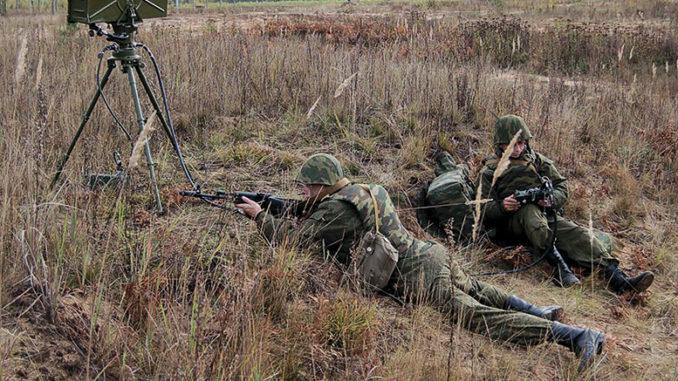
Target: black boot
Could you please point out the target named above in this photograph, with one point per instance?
(584, 342)
(620, 283)
(553, 313)
(562, 275)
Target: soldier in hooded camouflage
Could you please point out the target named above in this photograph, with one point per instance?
(342, 212)
(574, 244)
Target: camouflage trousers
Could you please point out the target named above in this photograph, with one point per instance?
(427, 273)
(573, 241)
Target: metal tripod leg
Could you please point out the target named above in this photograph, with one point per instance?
(165, 126)
(83, 121)
(147, 146)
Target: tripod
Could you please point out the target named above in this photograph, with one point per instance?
(125, 54)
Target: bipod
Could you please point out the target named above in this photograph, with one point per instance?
(125, 55)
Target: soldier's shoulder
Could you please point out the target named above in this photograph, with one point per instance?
(380, 190)
(331, 204)
(330, 208)
(489, 164)
(542, 158)
(352, 193)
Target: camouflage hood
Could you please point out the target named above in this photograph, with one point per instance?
(507, 126)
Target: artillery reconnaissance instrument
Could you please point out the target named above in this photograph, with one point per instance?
(121, 12)
(124, 16)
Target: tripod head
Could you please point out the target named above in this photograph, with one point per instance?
(122, 15)
(122, 33)
(122, 38)
(124, 30)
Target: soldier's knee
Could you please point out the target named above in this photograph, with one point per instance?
(531, 212)
(535, 225)
(464, 307)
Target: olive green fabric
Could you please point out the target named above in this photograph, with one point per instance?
(507, 126)
(425, 271)
(389, 222)
(573, 241)
(529, 223)
(444, 163)
(445, 202)
(522, 173)
(321, 169)
(331, 228)
(428, 274)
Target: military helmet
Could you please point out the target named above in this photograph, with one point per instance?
(507, 126)
(321, 168)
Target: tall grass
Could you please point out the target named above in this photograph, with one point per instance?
(196, 294)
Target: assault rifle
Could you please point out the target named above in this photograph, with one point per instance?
(277, 206)
(563, 275)
(536, 194)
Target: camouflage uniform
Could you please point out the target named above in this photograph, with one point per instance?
(577, 245)
(529, 222)
(425, 271)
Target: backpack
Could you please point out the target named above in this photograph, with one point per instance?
(446, 198)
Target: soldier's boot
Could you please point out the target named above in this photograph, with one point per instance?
(620, 283)
(562, 274)
(553, 313)
(586, 343)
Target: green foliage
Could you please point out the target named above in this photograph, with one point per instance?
(348, 323)
(415, 150)
(280, 283)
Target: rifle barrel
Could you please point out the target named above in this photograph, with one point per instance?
(275, 204)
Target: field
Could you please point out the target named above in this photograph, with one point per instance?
(95, 285)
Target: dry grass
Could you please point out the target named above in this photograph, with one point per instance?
(125, 294)
(143, 138)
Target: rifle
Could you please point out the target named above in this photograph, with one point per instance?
(563, 274)
(536, 194)
(276, 205)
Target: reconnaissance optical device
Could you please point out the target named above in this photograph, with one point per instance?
(125, 54)
(114, 11)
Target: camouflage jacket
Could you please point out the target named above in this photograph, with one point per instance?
(338, 221)
(523, 172)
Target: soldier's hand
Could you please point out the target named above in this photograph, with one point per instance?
(249, 208)
(511, 204)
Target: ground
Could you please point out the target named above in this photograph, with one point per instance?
(95, 284)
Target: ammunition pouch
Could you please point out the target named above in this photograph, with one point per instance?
(374, 259)
(377, 261)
